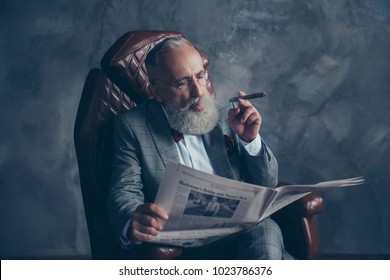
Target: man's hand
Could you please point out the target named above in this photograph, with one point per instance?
(146, 222)
(245, 120)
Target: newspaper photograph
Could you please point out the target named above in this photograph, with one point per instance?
(204, 208)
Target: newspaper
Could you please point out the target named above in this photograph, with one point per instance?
(204, 208)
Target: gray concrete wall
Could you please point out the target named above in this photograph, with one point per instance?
(325, 65)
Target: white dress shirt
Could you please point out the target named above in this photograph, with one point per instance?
(192, 152)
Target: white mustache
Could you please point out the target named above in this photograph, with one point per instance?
(192, 101)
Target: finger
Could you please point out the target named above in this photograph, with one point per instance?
(241, 93)
(149, 215)
(243, 102)
(254, 119)
(152, 209)
(138, 227)
(234, 114)
(159, 211)
(139, 237)
(246, 113)
(147, 221)
(138, 233)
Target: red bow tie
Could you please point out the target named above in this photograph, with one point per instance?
(177, 136)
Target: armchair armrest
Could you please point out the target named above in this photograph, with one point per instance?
(307, 206)
(299, 226)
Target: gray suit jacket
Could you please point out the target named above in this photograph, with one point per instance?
(143, 146)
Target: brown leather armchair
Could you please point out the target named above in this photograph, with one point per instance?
(118, 86)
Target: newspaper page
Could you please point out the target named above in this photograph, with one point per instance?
(290, 193)
(204, 208)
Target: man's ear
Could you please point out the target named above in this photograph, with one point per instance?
(155, 91)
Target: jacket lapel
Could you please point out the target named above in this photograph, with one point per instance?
(161, 133)
(215, 146)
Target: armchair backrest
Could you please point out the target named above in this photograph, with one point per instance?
(118, 86)
(124, 61)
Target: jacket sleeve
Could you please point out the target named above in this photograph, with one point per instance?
(261, 169)
(125, 188)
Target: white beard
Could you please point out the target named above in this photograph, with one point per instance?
(188, 121)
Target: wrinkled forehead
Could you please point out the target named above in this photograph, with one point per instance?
(180, 62)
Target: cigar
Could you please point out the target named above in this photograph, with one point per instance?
(248, 96)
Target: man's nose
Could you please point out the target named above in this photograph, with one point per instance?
(196, 90)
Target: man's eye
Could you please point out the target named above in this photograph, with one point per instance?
(182, 83)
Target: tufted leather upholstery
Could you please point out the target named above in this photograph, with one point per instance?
(124, 61)
(120, 85)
